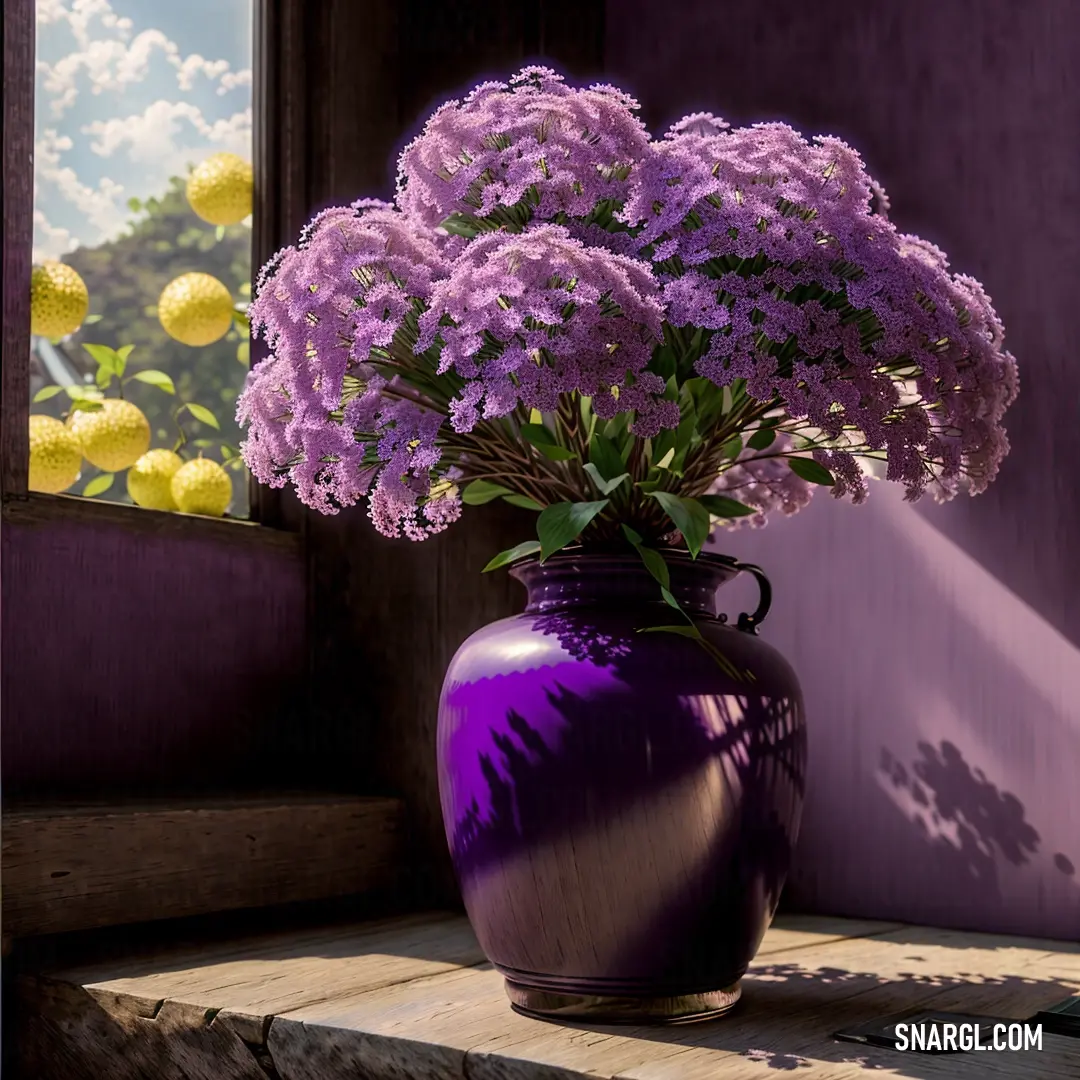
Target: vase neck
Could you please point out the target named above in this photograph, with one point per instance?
(581, 580)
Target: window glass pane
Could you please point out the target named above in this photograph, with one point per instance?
(142, 250)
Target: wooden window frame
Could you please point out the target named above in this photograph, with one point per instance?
(267, 515)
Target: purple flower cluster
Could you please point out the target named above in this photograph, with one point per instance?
(542, 245)
(535, 138)
(316, 408)
(527, 317)
(768, 241)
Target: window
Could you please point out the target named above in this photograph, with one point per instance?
(141, 250)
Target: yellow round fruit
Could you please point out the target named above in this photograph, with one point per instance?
(221, 188)
(58, 300)
(202, 486)
(113, 437)
(196, 309)
(149, 480)
(55, 456)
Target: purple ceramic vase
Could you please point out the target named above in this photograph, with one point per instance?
(621, 806)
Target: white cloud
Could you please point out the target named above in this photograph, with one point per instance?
(151, 137)
(230, 80)
(194, 65)
(108, 64)
(112, 61)
(51, 241)
(101, 205)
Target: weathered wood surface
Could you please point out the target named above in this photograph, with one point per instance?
(78, 867)
(413, 998)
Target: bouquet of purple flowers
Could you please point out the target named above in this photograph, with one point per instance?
(640, 340)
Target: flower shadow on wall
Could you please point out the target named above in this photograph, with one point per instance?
(621, 768)
(963, 815)
(937, 649)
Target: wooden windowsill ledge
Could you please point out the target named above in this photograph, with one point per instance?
(412, 997)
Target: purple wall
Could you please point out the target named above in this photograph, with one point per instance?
(135, 661)
(939, 646)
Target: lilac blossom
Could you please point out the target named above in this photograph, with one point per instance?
(316, 408)
(525, 318)
(768, 242)
(544, 254)
(535, 138)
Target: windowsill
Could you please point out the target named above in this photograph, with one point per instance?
(413, 996)
(39, 509)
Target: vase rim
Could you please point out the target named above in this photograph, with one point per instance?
(631, 558)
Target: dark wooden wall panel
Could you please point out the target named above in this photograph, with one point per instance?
(388, 615)
(939, 646)
(142, 662)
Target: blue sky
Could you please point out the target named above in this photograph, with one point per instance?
(128, 92)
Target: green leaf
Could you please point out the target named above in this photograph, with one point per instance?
(605, 487)
(605, 457)
(160, 380)
(562, 523)
(722, 507)
(762, 438)
(523, 501)
(732, 449)
(810, 471)
(103, 377)
(203, 414)
(122, 355)
(98, 485)
(241, 320)
(459, 225)
(47, 392)
(219, 233)
(690, 517)
(480, 492)
(544, 441)
(134, 204)
(536, 417)
(91, 319)
(226, 452)
(529, 547)
(86, 405)
(654, 563)
(683, 630)
(103, 356)
(243, 352)
(82, 393)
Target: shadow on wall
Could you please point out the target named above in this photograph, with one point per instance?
(944, 725)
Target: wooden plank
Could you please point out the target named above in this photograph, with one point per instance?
(411, 998)
(18, 201)
(40, 509)
(794, 1000)
(71, 868)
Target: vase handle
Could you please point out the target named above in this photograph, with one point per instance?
(750, 623)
